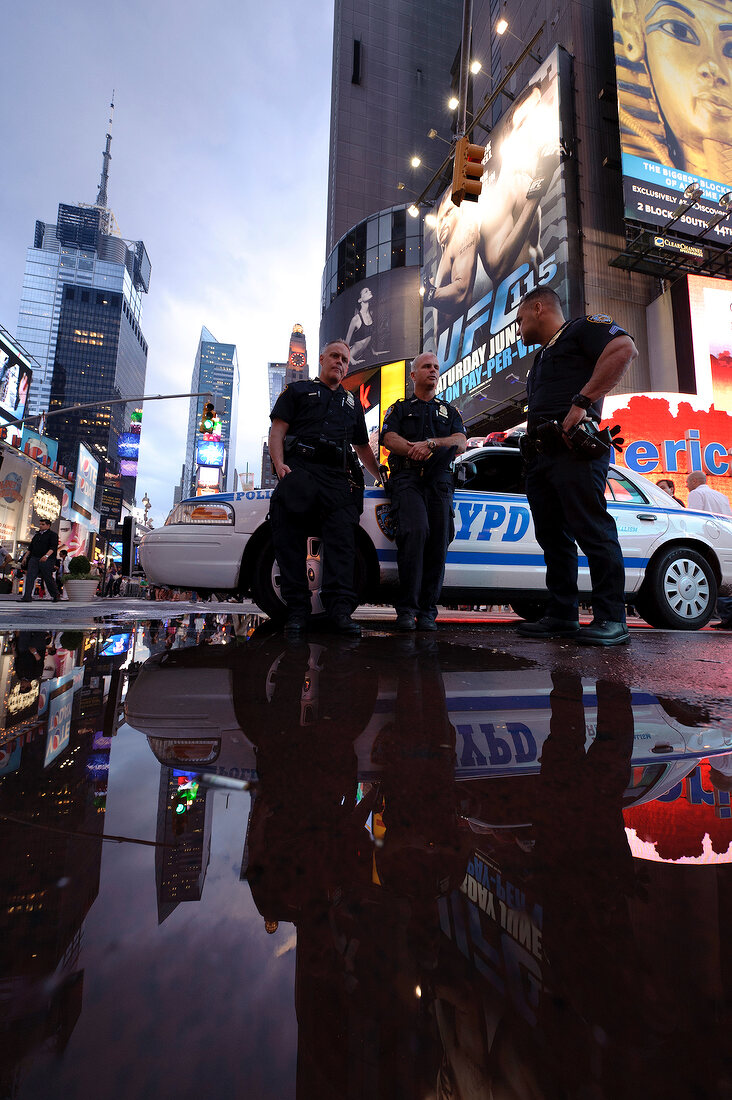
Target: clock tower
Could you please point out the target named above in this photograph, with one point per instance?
(297, 358)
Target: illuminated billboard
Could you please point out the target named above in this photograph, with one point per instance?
(208, 477)
(46, 502)
(210, 452)
(378, 318)
(481, 258)
(674, 77)
(39, 447)
(15, 379)
(667, 435)
(710, 314)
(85, 487)
(16, 475)
(128, 445)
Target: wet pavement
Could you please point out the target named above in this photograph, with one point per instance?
(451, 865)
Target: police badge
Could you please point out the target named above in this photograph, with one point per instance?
(385, 520)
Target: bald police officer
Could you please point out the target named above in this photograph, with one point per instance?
(422, 434)
(314, 424)
(579, 361)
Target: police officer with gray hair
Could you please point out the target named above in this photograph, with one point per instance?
(423, 434)
(314, 424)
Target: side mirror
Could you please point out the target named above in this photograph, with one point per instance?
(465, 473)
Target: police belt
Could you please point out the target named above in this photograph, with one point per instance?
(401, 462)
(322, 453)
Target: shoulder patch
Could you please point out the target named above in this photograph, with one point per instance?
(388, 411)
(600, 319)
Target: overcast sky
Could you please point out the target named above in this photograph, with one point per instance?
(219, 164)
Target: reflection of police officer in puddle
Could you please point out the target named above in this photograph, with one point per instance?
(422, 434)
(314, 424)
(542, 1021)
(578, 363)
(365, 913)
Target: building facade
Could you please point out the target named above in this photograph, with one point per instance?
(215, 371)
(548, 119)
(392, 67)
(80, 318)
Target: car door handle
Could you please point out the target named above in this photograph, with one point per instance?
(647, 517)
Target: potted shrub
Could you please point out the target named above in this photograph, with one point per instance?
(80, 583)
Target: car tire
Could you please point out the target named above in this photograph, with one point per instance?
(679, 591)
(531, 610)
(265, 581)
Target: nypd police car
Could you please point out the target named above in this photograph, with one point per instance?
(675, 558)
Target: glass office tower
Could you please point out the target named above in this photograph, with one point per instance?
(216, 370)
(80, 318)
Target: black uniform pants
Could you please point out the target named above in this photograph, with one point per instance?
(314, 499)
(567, 499)
(46, 569)
(422, 510)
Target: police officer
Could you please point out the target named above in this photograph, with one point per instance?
(422, 434)
(314, 423)
(578, 363)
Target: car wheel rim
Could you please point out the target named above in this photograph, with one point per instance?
(686, 588)
(314, 570)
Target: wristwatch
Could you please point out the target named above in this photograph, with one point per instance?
(431, 444)
(582, 400)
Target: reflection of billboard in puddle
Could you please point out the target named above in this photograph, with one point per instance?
(58, 706)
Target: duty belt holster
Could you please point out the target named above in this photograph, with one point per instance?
(324, 452)
(586, 438)
(401, 462)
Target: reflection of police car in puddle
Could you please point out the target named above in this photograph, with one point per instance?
(675, 559)
(209, 708)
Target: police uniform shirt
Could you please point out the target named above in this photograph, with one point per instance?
(565, 364)
(312, 411)
(416, 420)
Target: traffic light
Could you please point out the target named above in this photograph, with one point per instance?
(467, 171)
(208, 419)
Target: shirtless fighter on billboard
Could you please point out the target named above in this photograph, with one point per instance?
(504, 228)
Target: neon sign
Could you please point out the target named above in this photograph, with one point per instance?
(47, 506)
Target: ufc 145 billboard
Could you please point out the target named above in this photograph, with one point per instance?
(481, 258)
(674, 74)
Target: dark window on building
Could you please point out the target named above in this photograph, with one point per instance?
(357, 58)
(69, 293)
(85, 295)
(398, 238)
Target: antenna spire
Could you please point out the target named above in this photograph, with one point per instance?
(106, 157)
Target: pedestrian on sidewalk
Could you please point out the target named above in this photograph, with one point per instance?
(41, 558)
(62, 569)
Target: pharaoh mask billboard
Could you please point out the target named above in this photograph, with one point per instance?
(674, 74)
(481, 258)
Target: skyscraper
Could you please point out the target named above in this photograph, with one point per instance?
(280, 375)
(216, 370)
(80, 315)
(294, 368)
(391, 82)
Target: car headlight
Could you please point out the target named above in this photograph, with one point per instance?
(208, 512)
